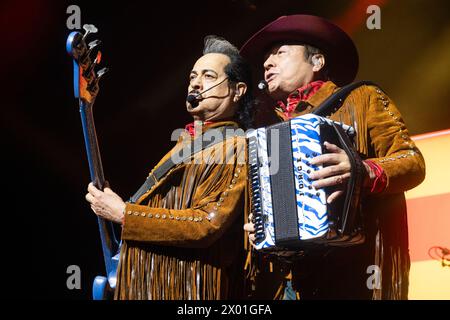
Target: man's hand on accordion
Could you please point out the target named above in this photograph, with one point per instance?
(336, 170)
(250, 228)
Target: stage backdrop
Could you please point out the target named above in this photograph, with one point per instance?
(429, 220)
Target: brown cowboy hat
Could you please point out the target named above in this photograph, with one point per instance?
(340, 51)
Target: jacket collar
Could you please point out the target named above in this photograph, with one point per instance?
(197, 127)
(324, 92)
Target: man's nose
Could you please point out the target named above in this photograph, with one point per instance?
(269, 63)
(196, 83)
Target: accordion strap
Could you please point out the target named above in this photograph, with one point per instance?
(350, 222)
(334, 102)
(197, 145)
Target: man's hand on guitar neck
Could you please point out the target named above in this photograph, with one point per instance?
(106, 204)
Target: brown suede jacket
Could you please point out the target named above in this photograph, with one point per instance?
(183, 238)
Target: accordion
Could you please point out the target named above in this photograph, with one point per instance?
(288, 212)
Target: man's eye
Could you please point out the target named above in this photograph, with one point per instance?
(209, 76)
(192, 77)
(281, 52)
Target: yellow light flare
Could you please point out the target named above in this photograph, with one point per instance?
(435, 148)
(429, 280)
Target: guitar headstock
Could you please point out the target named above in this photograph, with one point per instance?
(85, 77)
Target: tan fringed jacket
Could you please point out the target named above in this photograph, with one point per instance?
(351, 272)
(183, 239)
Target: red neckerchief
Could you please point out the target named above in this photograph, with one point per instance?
(191, 128)
(301, 94)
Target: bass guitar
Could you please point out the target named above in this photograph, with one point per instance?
(86, 88)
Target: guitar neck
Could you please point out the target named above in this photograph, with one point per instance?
(92, 148)
(108, 238)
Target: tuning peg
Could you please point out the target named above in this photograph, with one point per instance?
(97, 60)
(94, 44)
(89, 28)
(101, 72)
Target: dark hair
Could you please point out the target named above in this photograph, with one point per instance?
(238, 70)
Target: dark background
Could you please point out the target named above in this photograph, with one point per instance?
(150, 48)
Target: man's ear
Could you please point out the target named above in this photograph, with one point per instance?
(318, 62)
(240, 90)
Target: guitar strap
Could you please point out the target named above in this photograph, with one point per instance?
(197, 145)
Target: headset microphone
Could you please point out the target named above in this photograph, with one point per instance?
(193, 98)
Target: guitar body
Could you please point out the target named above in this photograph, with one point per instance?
(86, 89)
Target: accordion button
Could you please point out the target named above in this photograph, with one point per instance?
(308, 171)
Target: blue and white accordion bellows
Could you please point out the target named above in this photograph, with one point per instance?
(287, 210)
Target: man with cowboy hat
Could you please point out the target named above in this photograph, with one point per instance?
(306, 59)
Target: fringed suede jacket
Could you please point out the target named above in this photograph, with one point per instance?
(183, 239)
(378, 269)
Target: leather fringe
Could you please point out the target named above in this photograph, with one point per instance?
(153, 276)
(148, 272)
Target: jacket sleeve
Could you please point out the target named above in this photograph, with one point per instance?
(203, 223)
(395, 152)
